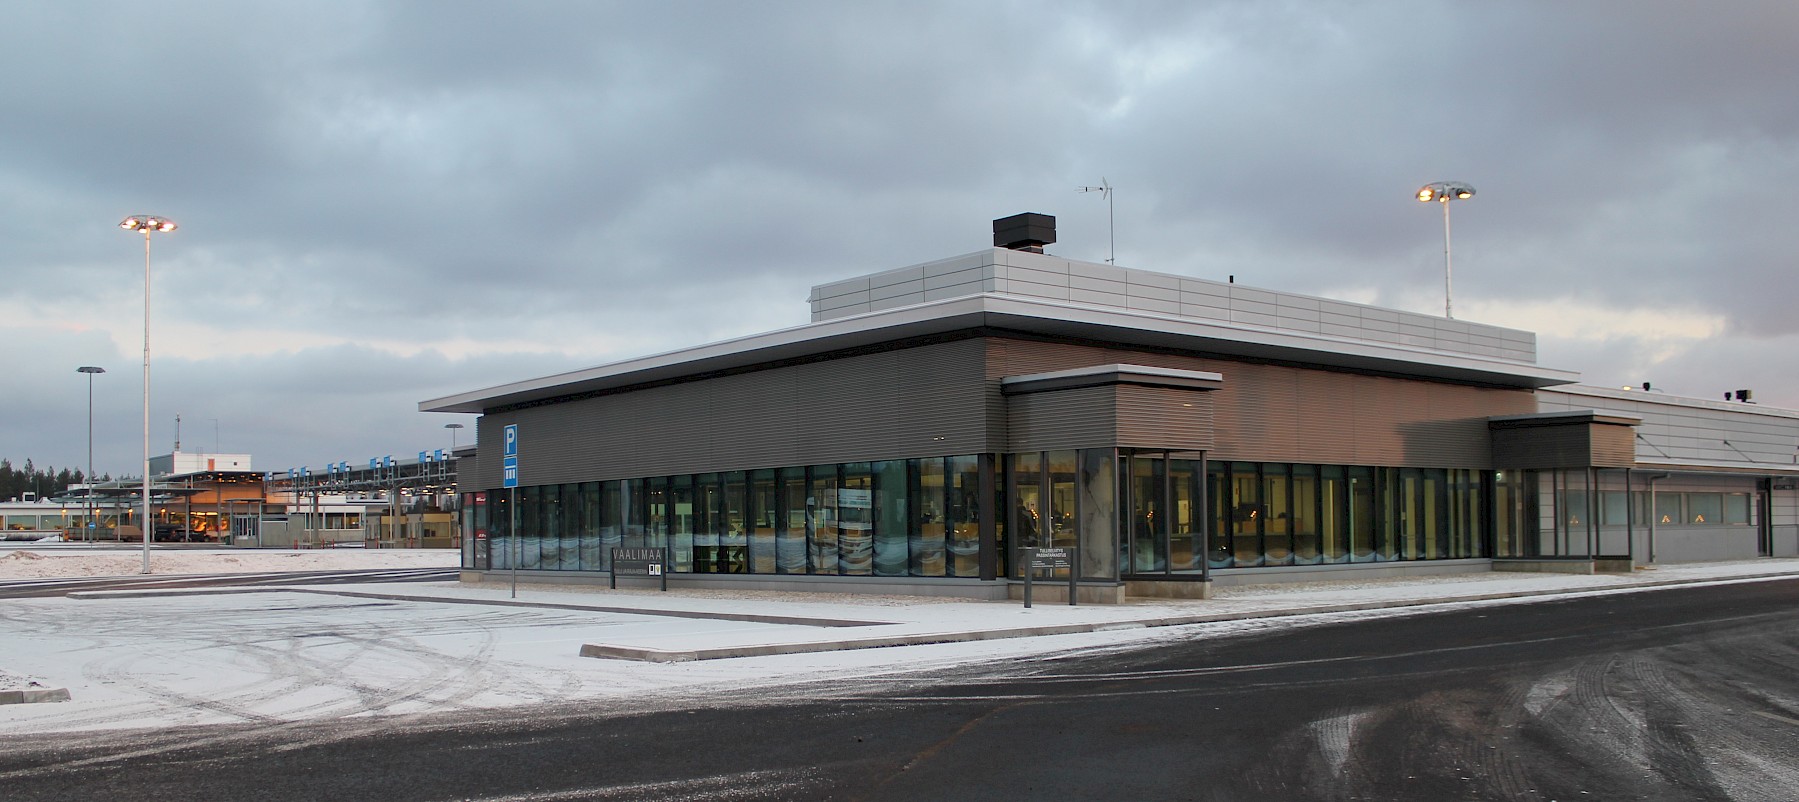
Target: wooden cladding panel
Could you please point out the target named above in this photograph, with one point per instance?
(1281, 413)
(1163, 417)
(1613, 446)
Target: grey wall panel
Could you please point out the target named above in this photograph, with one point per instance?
(1692, 429)
(923, 401)
(1543, 447)
(1077, 418)
(1287, 414)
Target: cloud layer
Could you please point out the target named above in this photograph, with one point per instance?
(386, 203)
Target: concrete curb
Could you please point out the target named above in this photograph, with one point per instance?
(34, 696)
(753, 618)
(651, 655)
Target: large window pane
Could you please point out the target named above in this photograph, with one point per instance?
(855, 521)
(1149, 510)
(1667, 509)
(1223, 513)
(790, 539)
(1061, 466)
(1304, 515)
(1333, 514)
(1367, 541)
(733, 524)
(762, 517)
(1184, 546)
(612, 530)
(1028, 508)
(822, 518)
(656, 507)
(568, 536)
(1247, 515)
(1098, 489)
(591, 547)
(1433, 524)
(891, 517)
(1705, 508)
(927, 536)
(691, 553)
(1277, 527)
(965, 505)
(1736, 508)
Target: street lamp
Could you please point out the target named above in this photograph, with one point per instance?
(148, 224)
(89, 521)
(1443, 192)
(453, 427)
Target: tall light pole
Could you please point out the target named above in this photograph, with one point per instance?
(148, 224)
(1105, 191)
(453, 427)
(88, 522)
(1443, 192)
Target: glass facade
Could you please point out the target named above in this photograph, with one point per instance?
(918, 517)
(1131, 514)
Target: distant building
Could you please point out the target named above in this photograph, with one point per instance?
(933, 420)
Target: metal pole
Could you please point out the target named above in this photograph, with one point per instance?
(518, 550)
(1111, 227)
(88, 529)
(146, 525)
(1448, 312)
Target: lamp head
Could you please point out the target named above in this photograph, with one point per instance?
(1444, 191)
(147, 223)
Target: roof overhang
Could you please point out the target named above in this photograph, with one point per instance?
(1057, 319)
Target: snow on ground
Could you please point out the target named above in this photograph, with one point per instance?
(44, 562)
(270, 657)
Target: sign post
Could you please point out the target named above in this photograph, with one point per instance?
(1039, 559)
(509, 469)
(640, 562)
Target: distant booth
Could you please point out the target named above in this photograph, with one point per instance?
(931, 421)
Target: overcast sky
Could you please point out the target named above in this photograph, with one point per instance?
(382, 203)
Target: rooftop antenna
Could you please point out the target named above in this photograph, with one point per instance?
(1105, 191)
(177, 432)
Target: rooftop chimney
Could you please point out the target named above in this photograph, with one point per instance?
(1024, 232)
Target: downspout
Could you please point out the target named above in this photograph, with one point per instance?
(1653, 478)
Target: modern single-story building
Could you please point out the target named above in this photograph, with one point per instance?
(931, 420)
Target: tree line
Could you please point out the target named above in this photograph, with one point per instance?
(45, 482)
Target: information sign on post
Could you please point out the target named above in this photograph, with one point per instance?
(509, 456)
(639, 562)
(509, 464)
(1049, 559)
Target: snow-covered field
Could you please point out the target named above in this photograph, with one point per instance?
(25, 562)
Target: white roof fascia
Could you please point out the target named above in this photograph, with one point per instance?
(1126, 327)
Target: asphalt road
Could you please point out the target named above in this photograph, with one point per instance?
(1673, 694)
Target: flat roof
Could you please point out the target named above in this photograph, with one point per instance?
(1001, 313)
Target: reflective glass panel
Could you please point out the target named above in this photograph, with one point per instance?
(790, 538)
(1277, 503)
(822, 518)
(762, 521)
(855, 521)
(927, 547)
(1098, 489)
(1303, 514)
(892, 518)
(964, 516)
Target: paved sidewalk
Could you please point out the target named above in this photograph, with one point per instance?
(797, 623)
